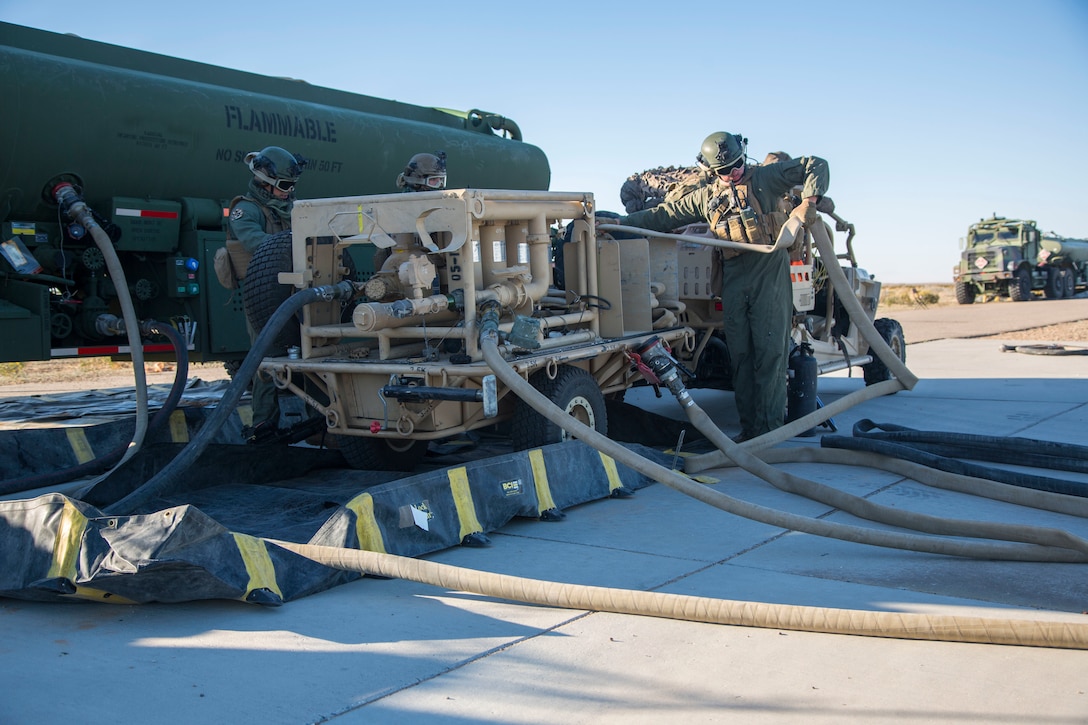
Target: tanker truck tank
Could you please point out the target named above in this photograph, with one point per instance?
(1072, 249)
(155, 145)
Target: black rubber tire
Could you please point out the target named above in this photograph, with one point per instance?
(1070, 282)
(1055, 284)
(231, 366)
(965, 293)
(892, 333)
(575, 391)
(1020, 286)
(262, 292)
(382, 454)
(713, 370)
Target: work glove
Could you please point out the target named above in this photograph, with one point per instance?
(824, 205)
(806, 212)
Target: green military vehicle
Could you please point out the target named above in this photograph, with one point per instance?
(1012, 258)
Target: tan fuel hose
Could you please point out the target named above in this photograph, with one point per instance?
(813, 619)
(979, 630)
(903, 379)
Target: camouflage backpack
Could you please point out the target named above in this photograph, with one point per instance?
(655, 186)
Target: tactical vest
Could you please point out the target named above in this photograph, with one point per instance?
(239, 255)
(742, 219)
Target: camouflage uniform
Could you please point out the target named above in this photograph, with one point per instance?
(252, 218)
(757, 297)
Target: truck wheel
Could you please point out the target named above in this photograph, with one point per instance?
(575, 391)
(965, 293)
(1055, 284)
(713, 370)
(892, 333)
(262, 292)
(1020, 286)
(382, 454)
(1070, 282)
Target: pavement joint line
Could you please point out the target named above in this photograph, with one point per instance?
(388, 692)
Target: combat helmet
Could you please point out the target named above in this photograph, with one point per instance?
(276, 167)
(722, 151)
(424, 172)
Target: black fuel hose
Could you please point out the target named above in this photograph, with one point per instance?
(953, 465)
(1012, 450)
(166, 481)
(104, 462)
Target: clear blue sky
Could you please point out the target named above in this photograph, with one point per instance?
(930, 114)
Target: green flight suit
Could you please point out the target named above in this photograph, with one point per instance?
(757, 295)
(251, 220)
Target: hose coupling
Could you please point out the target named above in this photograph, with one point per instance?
(109, 325)
(344, 290)
(489, 320)
(659, 367)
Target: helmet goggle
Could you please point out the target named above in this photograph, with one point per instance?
(435, 181)
(284, 185)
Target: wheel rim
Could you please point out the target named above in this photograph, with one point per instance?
(581, 410)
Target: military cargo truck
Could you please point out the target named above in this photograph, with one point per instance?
(155, 145)
(1012, 258)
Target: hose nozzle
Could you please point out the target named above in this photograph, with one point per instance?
(659, 367)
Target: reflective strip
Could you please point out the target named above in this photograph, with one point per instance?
(77, 438)
(544, 500)
(262, 573)
(462, 499)
(70, 530)
(366, 526)
(245, 412)
(179, 428)
(146, 213)
(610, 470)
(101, 350)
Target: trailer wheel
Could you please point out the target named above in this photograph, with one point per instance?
(262, 292)
(965, 293)
(892, 333)
(382, 454)
(572, 389)
(1020, 286)
(1055, 284)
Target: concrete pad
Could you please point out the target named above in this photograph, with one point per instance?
(379, 651)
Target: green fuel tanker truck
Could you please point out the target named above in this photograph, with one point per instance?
(154, 146)
(1012, 258)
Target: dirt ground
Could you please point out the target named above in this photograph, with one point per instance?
(925, 296)
(103, 373)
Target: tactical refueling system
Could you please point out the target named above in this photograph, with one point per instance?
(402, 364)
(1012, 258)
(154, 145)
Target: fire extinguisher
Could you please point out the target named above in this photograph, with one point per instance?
(801, 388)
